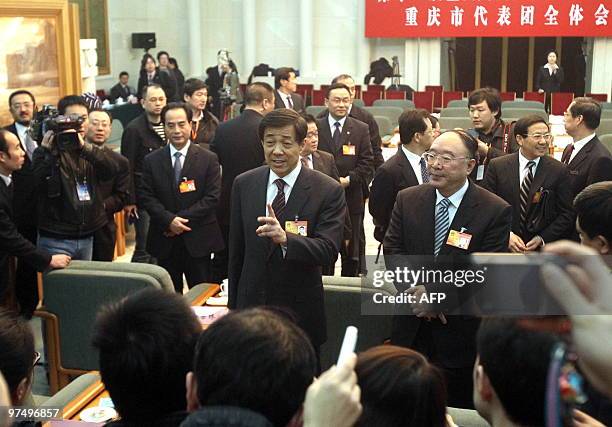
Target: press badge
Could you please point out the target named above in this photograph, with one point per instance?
(187, 186)
(458, 239)
(480, 173)
(348, 150)
(83, 192)
(297, 227)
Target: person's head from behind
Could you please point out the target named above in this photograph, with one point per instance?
(124, 78)
(196, 94)
(582, 117)
(146, 344)
(348, 81)
(259, 96)
(282, 133)
(285, 80)
(255, 359)
(450, 160)
(75, 105)
(17, 355)
(162, 58)
(153, 99)
(485, 108)
(172, 63)
(22, 105)
(311, 142)
(435, 125)
(510, 372)
(12, 155)
(415, 130)
(338, 100)
(148, 63)
(533, 136)
(100, 126)
(399, 387)
(593, 207)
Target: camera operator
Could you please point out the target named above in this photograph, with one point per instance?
(69, 170)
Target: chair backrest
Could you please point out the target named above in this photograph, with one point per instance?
(392, 113)
(447, 123)
(314, 110)
(507, 96)
(607, 141)
(423, 100)
(455, 112)
(395, 94)
(534, 96)
(324, 87)
(358, 91)
(437, 98)
(522, 104)
(306, 91)
(76, 294)
(385, 126)
(522, 112)
(318, 97)
(359, 102)
(450, 96)
(369, 97)
(606, 105)
(400, 103)
(458, 103)
(559, 101)
(606, 114)
(601, 97)
(376, 89)
(605, 127)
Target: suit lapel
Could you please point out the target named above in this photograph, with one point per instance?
(538, 178)
(512, 173)
(190, 160)
(406, 168)
(345, 136)
(298, 197)
(582, 154)
(428, 224)
(326, 142)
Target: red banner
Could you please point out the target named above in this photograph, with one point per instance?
(488, 18)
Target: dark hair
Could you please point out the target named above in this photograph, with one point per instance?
(341, 77)
(309, 118)
(176, 106)
(173, 62)
(491, 96)
(70, 100)
(146, 344)
(434, 120)
(255, 359)
(549, 51)
(516, 361)
(146, 88)
(336, 86)
(468, 140)
(16, 349)
(193, 84)
(101, 110)
(162, 52)
(411, 122)
(144, 59)
(256, 92)
(3, 144)
(400, 387)
(21, 92)
(284, 117)
(593, 205)
(589, 109)
(282, 73)
(523, 124)
(124, 73)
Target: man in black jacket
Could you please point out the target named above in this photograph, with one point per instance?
(12, 243)
(69, 171)
(115, 191)
(142, 136)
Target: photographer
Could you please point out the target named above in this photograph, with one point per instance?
(68, 171)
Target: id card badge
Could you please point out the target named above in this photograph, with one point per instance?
(297, 227)
(83, 192)
(348, 150)
(480, 173)
(187, 186)
(459, 239)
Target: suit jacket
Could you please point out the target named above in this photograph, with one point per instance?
(160, 78)
(116, 191)
(549, 83)
(163, 201)
(239, 148)
(593, 163)
(119, 91)
(325, 163)
(14, 244)
(25, 192)
(258, 272)
(207, 126)
(392, 177)
(482, 214)
(503, 177)
(358, 167)
(296, 99)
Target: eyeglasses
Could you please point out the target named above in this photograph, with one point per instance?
(537, 137)
(36, 358)
(444, 159)
(312, 134)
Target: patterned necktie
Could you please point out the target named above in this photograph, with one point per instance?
(278, 204)
(305, 162)
(289, 102)
(567, 154)
(424, 171)
(336, 135)
(442, 225)
(30, 145)
(177, 167)
(525, 187)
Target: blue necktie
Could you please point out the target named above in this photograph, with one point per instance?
(336, 135)
(442, 224)
(177, 167)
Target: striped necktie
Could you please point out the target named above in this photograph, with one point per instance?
(278, 204)
(442, 224)
(524, 194)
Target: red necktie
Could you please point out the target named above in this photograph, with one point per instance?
(567, 154)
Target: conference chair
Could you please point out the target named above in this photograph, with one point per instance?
(559, 101)
(448, 123)
(601, 97)
(385, 126)
(458, 103)
(368, 97)
(522, 112)
(306, 91)
(437, 95)
(507, 96)
(392, 113)
(450, 96)
(395, 94)
(424, 100)
(358, 91)
(314, 110)
(606, 114)
(73, 398)
(607, 141)
(318, 97)
(606, 105)
(376, 89)
(455, 112)
(522, 104)
(359, 102)
(605, 127)
(534, 96)
(400, 103)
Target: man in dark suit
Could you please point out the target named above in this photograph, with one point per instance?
(444, 219)
(348, 141)
(22, 107)
(286, 223)
(204, 123)
(215, 77)
(180, 190)
(122, 89)
(404, 169)
(239, 149)
(115, 192)
(12, 243)
(533, 183)
(285, 83)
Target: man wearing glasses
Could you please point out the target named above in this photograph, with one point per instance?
(444, 220)
(536, 185)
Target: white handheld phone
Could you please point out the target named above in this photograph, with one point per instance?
(348, 344)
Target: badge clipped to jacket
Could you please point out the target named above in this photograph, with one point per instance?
(459, 239)
(297, 227)
(187, 186)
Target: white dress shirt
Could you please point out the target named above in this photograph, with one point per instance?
(183, 151)
(455, 200)
(333, 121)
(415, 162)
(309, 161)
(7, 179)
(523, 166)
(578, 145)
(284, 97)
(289, 179)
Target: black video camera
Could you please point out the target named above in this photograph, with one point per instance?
(49, 119)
